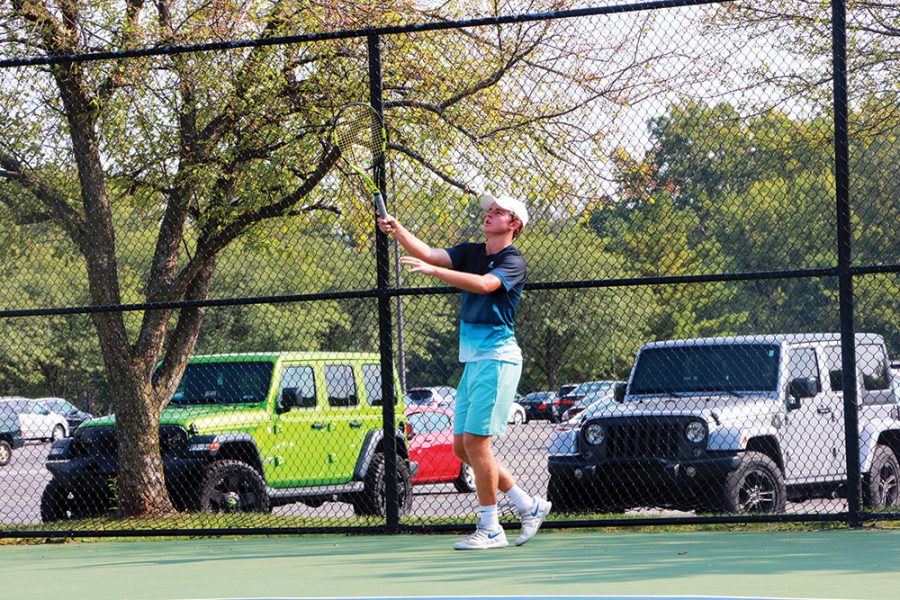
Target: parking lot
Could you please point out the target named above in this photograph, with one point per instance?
(523, 449)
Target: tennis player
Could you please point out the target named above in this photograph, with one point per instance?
(491, 276)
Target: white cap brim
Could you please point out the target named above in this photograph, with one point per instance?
(513, 205)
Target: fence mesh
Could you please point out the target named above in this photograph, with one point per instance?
(194, 326)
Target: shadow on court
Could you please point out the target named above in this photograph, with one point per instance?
(819, 564)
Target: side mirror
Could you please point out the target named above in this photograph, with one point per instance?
(801, 387)
(288, 399)
(410, 432)
(619, 392)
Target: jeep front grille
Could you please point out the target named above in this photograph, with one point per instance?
(101, 441)
(642, 438)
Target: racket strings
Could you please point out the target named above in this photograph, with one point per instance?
(358, 135)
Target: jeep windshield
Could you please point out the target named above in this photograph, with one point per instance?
(706, 368)
(224, 383)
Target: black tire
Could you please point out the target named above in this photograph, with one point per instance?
(565, 495)
(757, 486)
(518, 418)
(5, 453)
(881, 488)
(59, 503)
(465, 482)
(373, 501)
(231, 486)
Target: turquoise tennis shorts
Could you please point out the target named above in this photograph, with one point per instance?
(485, 395)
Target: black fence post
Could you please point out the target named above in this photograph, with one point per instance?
(845, 241)
(385, 337)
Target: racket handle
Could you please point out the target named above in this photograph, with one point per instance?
(379, 206)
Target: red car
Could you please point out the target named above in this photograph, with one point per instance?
(430, 432)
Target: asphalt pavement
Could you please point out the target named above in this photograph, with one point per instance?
(523, 450)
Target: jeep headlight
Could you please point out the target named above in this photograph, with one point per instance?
(695, 431)
(594, 433)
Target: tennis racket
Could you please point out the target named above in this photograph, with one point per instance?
(360, 137)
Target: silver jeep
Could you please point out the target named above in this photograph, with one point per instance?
(734, 424)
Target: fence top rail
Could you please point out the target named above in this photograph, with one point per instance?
(353, 33)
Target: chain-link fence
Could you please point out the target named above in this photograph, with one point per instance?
(204, 330)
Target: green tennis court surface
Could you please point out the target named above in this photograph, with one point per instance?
(818, 564)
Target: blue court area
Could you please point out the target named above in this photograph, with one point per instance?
(831, 564)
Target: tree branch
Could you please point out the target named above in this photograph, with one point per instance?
(63, 214)
(431, 167)
(116, 78)
(217, 235)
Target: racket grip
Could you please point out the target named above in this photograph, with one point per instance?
(379, 206)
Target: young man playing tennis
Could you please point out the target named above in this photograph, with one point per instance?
(491, 276)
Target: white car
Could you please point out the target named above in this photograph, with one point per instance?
(36, 421)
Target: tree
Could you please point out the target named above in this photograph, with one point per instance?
(719, 192)
(576, 335)
(208, 147)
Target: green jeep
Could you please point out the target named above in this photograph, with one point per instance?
(246, 432)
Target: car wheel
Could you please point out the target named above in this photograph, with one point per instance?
(518, 418)
(231, 486)
(373, 500)
(566, 496)
(757, 486)
(466, 481)
(5, 453)
(59, 503)
(880, 489)
(58, 433)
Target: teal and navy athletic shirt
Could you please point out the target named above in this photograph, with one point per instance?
(487, 321)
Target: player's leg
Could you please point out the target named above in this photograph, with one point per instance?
(472, 444)
(532, 509)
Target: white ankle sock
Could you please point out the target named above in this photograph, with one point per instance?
(487, 517)
(522, 501)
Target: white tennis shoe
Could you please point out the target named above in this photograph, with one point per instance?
(483, 539)
(532, 520)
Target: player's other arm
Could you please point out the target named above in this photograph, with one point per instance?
(469, 282)
(416, 247)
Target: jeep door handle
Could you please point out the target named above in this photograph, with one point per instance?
(355, 424)
(318, 425)
(824, 410)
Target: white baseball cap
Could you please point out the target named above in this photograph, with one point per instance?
(513, 205)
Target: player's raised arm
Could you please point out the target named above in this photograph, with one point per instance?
(416, 247)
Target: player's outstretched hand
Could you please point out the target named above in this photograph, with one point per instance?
(388, 224)
(414, 265)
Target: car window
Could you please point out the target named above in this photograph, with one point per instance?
(706, 368)
(802, 363)
(832, 358)
(340, 385)
(224, 383)
(372, 383)
(303, 380)
(59, 406)
(593, 386)
(873, 367)
(429, 422)
(420, 395)
(566, 389)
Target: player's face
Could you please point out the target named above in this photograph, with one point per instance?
(499, 220)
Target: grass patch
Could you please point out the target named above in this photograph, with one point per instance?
(228, 526)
